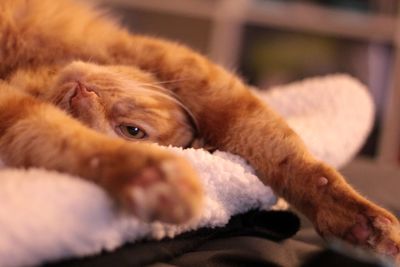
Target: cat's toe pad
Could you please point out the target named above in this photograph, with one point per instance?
(377, 232)
(169, 192)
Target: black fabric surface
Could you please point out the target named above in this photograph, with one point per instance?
(193, 249)
(329, 258)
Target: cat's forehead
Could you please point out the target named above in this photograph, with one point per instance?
(126, 107)
(146, 106)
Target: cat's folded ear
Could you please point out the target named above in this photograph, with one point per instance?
(199, 142)
(190, 118)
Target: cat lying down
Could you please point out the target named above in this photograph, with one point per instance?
(90, 225)
(83, 96)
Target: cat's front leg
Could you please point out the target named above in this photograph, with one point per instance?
(141, 178)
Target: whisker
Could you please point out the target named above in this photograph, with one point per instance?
(89, 60)
(155, 86)
(172, 81)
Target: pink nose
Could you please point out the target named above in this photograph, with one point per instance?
(82, 93)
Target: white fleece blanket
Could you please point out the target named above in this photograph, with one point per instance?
(45, 216)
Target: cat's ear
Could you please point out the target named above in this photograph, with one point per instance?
(198, 140)
(191, 120)
(201, 143)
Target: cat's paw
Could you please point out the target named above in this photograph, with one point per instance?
(377, 231)
(143, 179)
(146, 181)
(363, 224)
(169, 192)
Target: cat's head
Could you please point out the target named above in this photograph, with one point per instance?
(123, 101)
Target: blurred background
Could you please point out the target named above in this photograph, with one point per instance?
(273, 42)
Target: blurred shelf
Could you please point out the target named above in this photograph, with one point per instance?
(303, 16)
(389, 145)
(323, 20)
(229, 17)
(193, 8)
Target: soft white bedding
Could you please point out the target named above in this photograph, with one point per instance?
(46, 215)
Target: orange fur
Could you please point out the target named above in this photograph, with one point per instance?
(40, 41)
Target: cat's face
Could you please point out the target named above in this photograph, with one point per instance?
(122, 101)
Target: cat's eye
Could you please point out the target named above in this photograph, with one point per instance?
(132, 132)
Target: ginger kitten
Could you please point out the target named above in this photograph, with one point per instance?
(73, 81)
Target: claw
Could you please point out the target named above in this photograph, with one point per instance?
(391, 248)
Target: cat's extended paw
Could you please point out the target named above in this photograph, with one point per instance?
(362, 224)
(168, 192)
(144, 180)
(379, 232)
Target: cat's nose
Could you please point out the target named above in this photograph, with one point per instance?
(82, 94)
(82, 90)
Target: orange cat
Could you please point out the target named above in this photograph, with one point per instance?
(114, 83)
